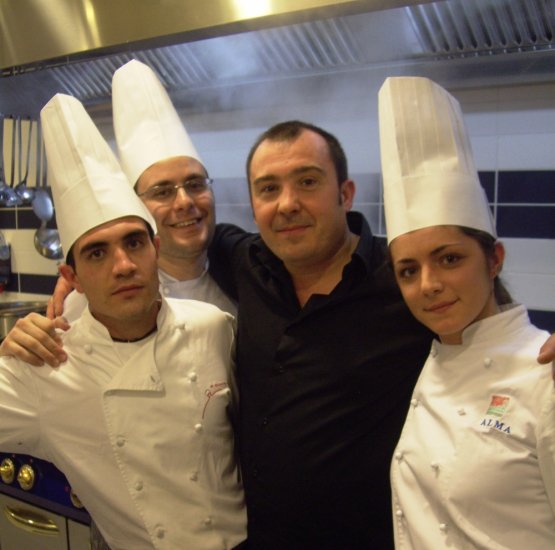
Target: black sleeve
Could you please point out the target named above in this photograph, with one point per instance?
(225, 255)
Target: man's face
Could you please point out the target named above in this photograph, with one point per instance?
(185, 224)
(116, 268)
(298, 204)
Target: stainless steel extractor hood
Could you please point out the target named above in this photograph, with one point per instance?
(201, 47)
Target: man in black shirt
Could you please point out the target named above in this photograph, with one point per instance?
(327, 353)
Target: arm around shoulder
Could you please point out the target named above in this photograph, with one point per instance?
(34, 340)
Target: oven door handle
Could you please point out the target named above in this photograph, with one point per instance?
(32, 522)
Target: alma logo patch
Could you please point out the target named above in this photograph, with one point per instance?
(497, 408)
(498, 405)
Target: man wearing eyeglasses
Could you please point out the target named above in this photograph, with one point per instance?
(162, 163)
(179, 195)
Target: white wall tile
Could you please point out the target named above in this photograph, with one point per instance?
(527, 152)
(535, 291)
(529, 271)
(519, 117)
(484, 149)
(530, 256)
(25, 258)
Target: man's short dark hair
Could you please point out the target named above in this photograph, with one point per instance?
(290, 130)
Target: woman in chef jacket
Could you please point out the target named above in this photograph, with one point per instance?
(474, 467)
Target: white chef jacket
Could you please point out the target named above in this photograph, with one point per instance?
(474, 467)
(202, 288)
(146, 442)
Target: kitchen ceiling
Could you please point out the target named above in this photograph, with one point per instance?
(457, 42)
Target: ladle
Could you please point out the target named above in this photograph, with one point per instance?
(7, 194)
(2, 174)
(47, 241)
(4, 247)
(26, 194)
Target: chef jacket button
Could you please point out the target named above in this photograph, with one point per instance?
(88, 348)
(414, 402)
(194, 476)
(265, 421)
(120, 441)
(443, 527)
(255, 472)
(434, 465)
(207, 521)
(160, 532)
(192, 376)
(165, 290)
(399, 513)
(280, 369)
(461, 412)
(198, 427)
(138, 485)
(399, 455)
(488, 362)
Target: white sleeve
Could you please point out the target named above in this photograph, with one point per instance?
(74, 305)
(19, 406)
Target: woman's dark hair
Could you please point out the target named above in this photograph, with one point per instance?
(70, 259)
(487, 244)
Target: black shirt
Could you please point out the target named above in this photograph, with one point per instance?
(324, 391)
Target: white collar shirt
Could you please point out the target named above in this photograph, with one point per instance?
(145, 442)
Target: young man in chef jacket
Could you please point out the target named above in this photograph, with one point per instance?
(139, 417)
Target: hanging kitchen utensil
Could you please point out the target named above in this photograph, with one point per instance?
(2, 173)
(38, 162)
(13, 199)
(25, 193)
(7, 194)
(47, 241)
(4, 246)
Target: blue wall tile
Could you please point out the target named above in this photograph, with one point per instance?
(532, 222)
(38, 284)
(543, 319)
(487, 179)
(7, 218)
(527, 186)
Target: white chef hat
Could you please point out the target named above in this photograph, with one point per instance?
(429, 175)
(146, 124)
(88, 185)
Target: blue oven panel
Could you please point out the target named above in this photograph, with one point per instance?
(40, 483)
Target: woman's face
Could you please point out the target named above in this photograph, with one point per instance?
(445, 278)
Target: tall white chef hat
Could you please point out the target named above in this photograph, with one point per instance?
(88, 185)
(428, 170)
(146, 124)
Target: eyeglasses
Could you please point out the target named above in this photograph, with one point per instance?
(166, 192)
